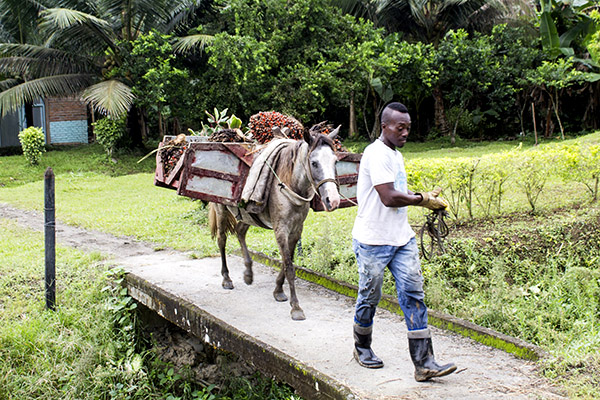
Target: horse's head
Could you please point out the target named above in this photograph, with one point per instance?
(321, 162)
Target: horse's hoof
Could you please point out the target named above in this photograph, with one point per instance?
(248, 278)
(227, 285)
(298, 315)
(280, 296)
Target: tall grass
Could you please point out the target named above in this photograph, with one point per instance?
(72, 353)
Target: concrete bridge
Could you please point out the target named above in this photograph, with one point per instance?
(315, 356)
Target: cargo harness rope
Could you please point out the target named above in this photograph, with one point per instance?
(295, 197)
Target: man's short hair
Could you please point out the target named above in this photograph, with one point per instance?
(392, 106)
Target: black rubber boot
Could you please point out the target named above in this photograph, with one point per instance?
(362, 348)
(421, 352)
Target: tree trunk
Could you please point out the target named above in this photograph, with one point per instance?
(353, 128)
(591, 116)
(440, 113)
(376, 130)
(549, 125)
(134, 128)
(143, 125)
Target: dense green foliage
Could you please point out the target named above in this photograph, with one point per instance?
(303, 58)
(32, 141)
(462, 74)
(162, 91)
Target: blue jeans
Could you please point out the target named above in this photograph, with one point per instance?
(405, 266)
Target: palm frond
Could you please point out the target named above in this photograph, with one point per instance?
(186, 44)
(18, 19)
(29, 50)
(34, 68)
(63, 24)
(47, 61)
(112, 98)
(136, 16)
(182, 11)
(63, 18)
(58, 85)
(8, 83)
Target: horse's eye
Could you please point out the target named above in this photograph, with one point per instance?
(315, 164)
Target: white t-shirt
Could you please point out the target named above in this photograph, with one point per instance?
(375, 223)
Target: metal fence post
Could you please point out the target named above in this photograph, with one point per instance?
(50, 239)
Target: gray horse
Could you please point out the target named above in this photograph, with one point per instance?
(304, 168)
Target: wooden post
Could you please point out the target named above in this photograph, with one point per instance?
(50, 239)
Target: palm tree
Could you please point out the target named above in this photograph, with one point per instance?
(17, 25)
(79, 47)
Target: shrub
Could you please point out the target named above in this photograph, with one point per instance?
(108, 131)
(582, 165)
(32, 140)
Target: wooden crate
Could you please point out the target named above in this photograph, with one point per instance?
(170, 179)
(216, 172)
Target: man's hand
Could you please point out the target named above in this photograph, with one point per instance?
(432, 201)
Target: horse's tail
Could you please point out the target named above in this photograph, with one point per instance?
(219, 215)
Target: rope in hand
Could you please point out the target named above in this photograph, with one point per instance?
(437, 229)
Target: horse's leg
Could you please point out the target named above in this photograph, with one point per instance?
(290, 273)
(221, 221)
(287, 243)
(240, 230)
(278, 292)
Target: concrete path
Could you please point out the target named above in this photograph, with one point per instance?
(323, 342)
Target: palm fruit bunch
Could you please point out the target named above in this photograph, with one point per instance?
(229, 136)
(261, 126)
(171, 152)
(325, 129)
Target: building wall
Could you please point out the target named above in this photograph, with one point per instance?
(67, 120)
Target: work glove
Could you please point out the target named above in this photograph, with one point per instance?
(432, 201)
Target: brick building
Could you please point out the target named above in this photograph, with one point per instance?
(64, 120)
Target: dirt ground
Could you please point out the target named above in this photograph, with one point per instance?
(483, 372)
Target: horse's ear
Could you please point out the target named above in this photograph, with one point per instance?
(308, 137)
(334, 133)
(286, 132)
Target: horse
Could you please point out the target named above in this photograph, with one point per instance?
(305, 168)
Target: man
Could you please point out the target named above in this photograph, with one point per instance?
(383, 238)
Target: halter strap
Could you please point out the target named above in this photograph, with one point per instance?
(295, 197)
(311, 179)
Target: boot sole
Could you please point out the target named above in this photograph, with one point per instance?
(370, 366)
(434, 374)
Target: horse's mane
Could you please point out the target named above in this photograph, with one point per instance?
(290, 153)
(321, 140)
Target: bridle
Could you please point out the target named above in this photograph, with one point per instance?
(311, 178)
(295, 197)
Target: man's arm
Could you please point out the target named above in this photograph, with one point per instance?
(391, 197)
